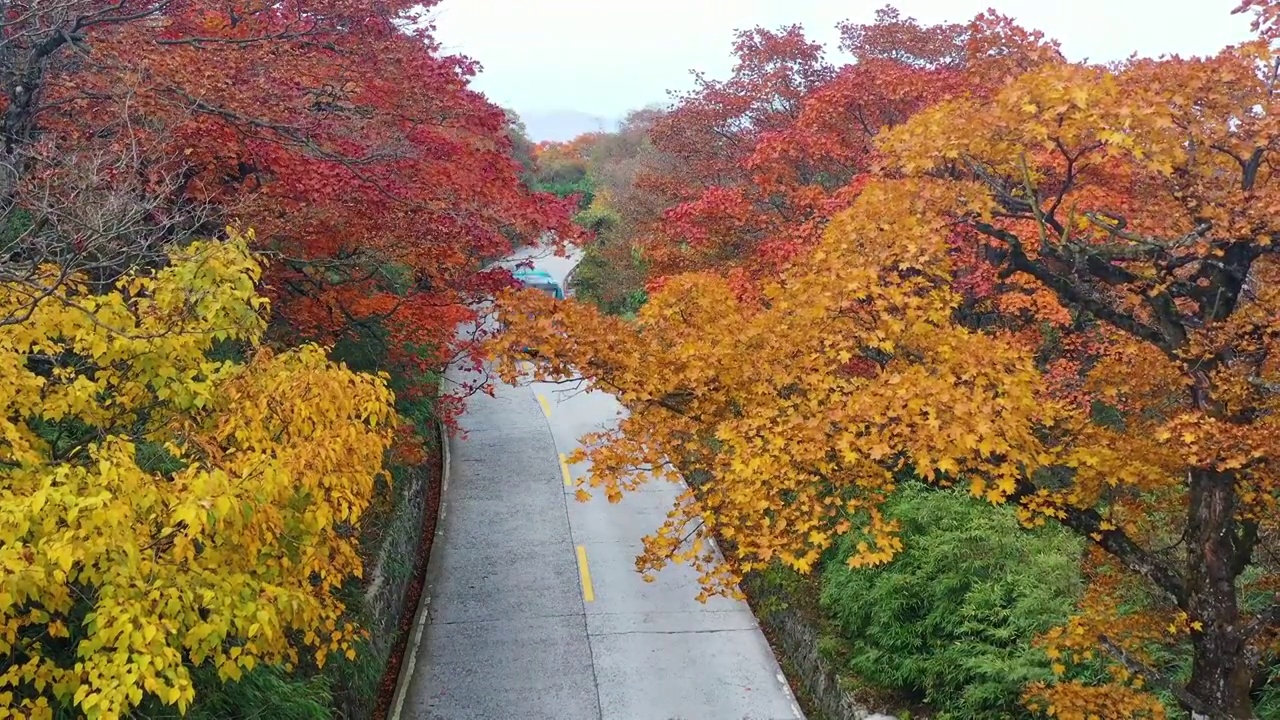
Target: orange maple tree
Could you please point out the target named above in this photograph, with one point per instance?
(1134, 208)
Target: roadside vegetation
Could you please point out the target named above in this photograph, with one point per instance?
(222, 328)
(969, 347)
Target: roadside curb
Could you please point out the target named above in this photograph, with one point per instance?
(424, 603)
(760, 628)
(794, 643)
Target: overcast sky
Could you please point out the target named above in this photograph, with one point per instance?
(605, 57)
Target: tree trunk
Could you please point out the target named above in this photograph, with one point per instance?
(1221, 676)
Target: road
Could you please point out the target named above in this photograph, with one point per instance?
(534, 609)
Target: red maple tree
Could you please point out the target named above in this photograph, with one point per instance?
(765, 158)
(377, 180)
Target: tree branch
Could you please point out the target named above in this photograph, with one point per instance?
(1117, 543)
(1070, 291)
(1136, 666)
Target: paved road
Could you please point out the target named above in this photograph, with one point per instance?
(535, 609)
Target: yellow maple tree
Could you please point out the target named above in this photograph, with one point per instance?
(162, 508)
(1138, 203)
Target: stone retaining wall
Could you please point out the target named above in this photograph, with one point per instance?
(384, 599)
(390, 576)
(796, 640)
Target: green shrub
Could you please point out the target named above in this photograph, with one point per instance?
(1267, 703)
(355, 684)
(264, 692)
(598, 220)
(612, 278)
(267, 693)
(565, 186)
(951, 620)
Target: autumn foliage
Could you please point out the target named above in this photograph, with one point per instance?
(161, 509)
(184, 477)
(763, 159)
(1050, 283)
(376, 179)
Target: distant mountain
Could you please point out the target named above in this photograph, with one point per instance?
(562, 125)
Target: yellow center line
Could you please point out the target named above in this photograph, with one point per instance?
(564, 470)
(588, 593)
(546, 407)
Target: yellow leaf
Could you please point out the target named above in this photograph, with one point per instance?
(127, 509)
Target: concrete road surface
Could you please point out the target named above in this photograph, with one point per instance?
(534, 609)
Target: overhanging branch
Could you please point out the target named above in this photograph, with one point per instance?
(1072, 292)
(1117, 543)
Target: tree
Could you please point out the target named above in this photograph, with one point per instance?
(1137, 205)
(522, 148)
(376, 176)
(708, 136)
(787, 153)
(611, 272)
(561, 169)
(713, 128)
(162, 509)
(905, 41)
(1139, 200)
(86, 211)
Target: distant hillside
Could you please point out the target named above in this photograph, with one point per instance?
(562, 125)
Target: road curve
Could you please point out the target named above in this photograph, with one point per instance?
(533, 607)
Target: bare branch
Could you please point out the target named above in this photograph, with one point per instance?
(92, 213)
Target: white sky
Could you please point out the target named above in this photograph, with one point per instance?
(605, 57)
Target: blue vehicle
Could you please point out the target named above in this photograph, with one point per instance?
(540, 279)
